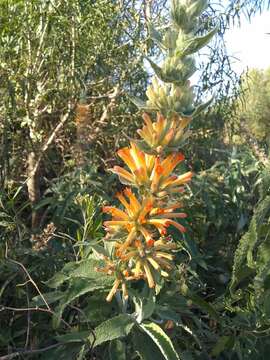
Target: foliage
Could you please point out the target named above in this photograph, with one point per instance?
(65, 54)
(253, 114)
(213, 302)
(249, 284)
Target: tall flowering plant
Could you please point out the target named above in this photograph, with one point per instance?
(138, 229)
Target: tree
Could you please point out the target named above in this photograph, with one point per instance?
(253, 109)
(54, 55)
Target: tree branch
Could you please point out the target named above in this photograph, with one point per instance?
(50, 139)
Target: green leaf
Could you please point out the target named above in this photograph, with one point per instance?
(155, 35)
(80, 269)
(44, 202)
(197, 8)
(162, 340)
(221, 345)
(147, 350)
(117, 350)
(144, 147)
(243, 256)
(114, 328)
(166, 313)
(62, 275)
(158, 71)
(68, 351)
(141, 105)
(100, 250)
(201, 108)
(50, 298)
(80, 287)
(75, 336)
(144, 307)
(193, 45)
(179, 14)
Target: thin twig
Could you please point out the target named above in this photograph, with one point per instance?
(25, 352)
(28, 320)
(34, 309)
(31, 280)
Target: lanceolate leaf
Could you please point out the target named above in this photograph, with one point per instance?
(144, 307)
(155, 35)
(147, 350)
(114, 328)
(161, 339)
(80, 269)
(50, 298)
(80, 287)
(246, 244)
(75, 336)
(141, 105)
(201, 108)
(62, 275)
(195, 44)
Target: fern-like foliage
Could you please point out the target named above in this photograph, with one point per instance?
(251, 270)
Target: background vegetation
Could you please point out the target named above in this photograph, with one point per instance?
(68, 71)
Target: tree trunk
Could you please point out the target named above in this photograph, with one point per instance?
(83, 129)
(33, 186)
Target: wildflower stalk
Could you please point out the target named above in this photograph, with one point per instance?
(142, 249)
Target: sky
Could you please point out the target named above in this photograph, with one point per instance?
(250, 43)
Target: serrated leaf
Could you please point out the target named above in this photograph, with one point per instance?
(114, 328)
(62, 275)
(161, 339)
(50, 298)
(79, 287)
(100, 250)
(84, 268)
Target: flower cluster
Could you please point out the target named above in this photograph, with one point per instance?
(151, 172)
(165, 133)
(142, 248)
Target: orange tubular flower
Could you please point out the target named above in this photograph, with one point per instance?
(139, 163)
(162, 181)
(150, 171)
(140, 248)
(140, 219)
(145, 261)
(164, 132)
